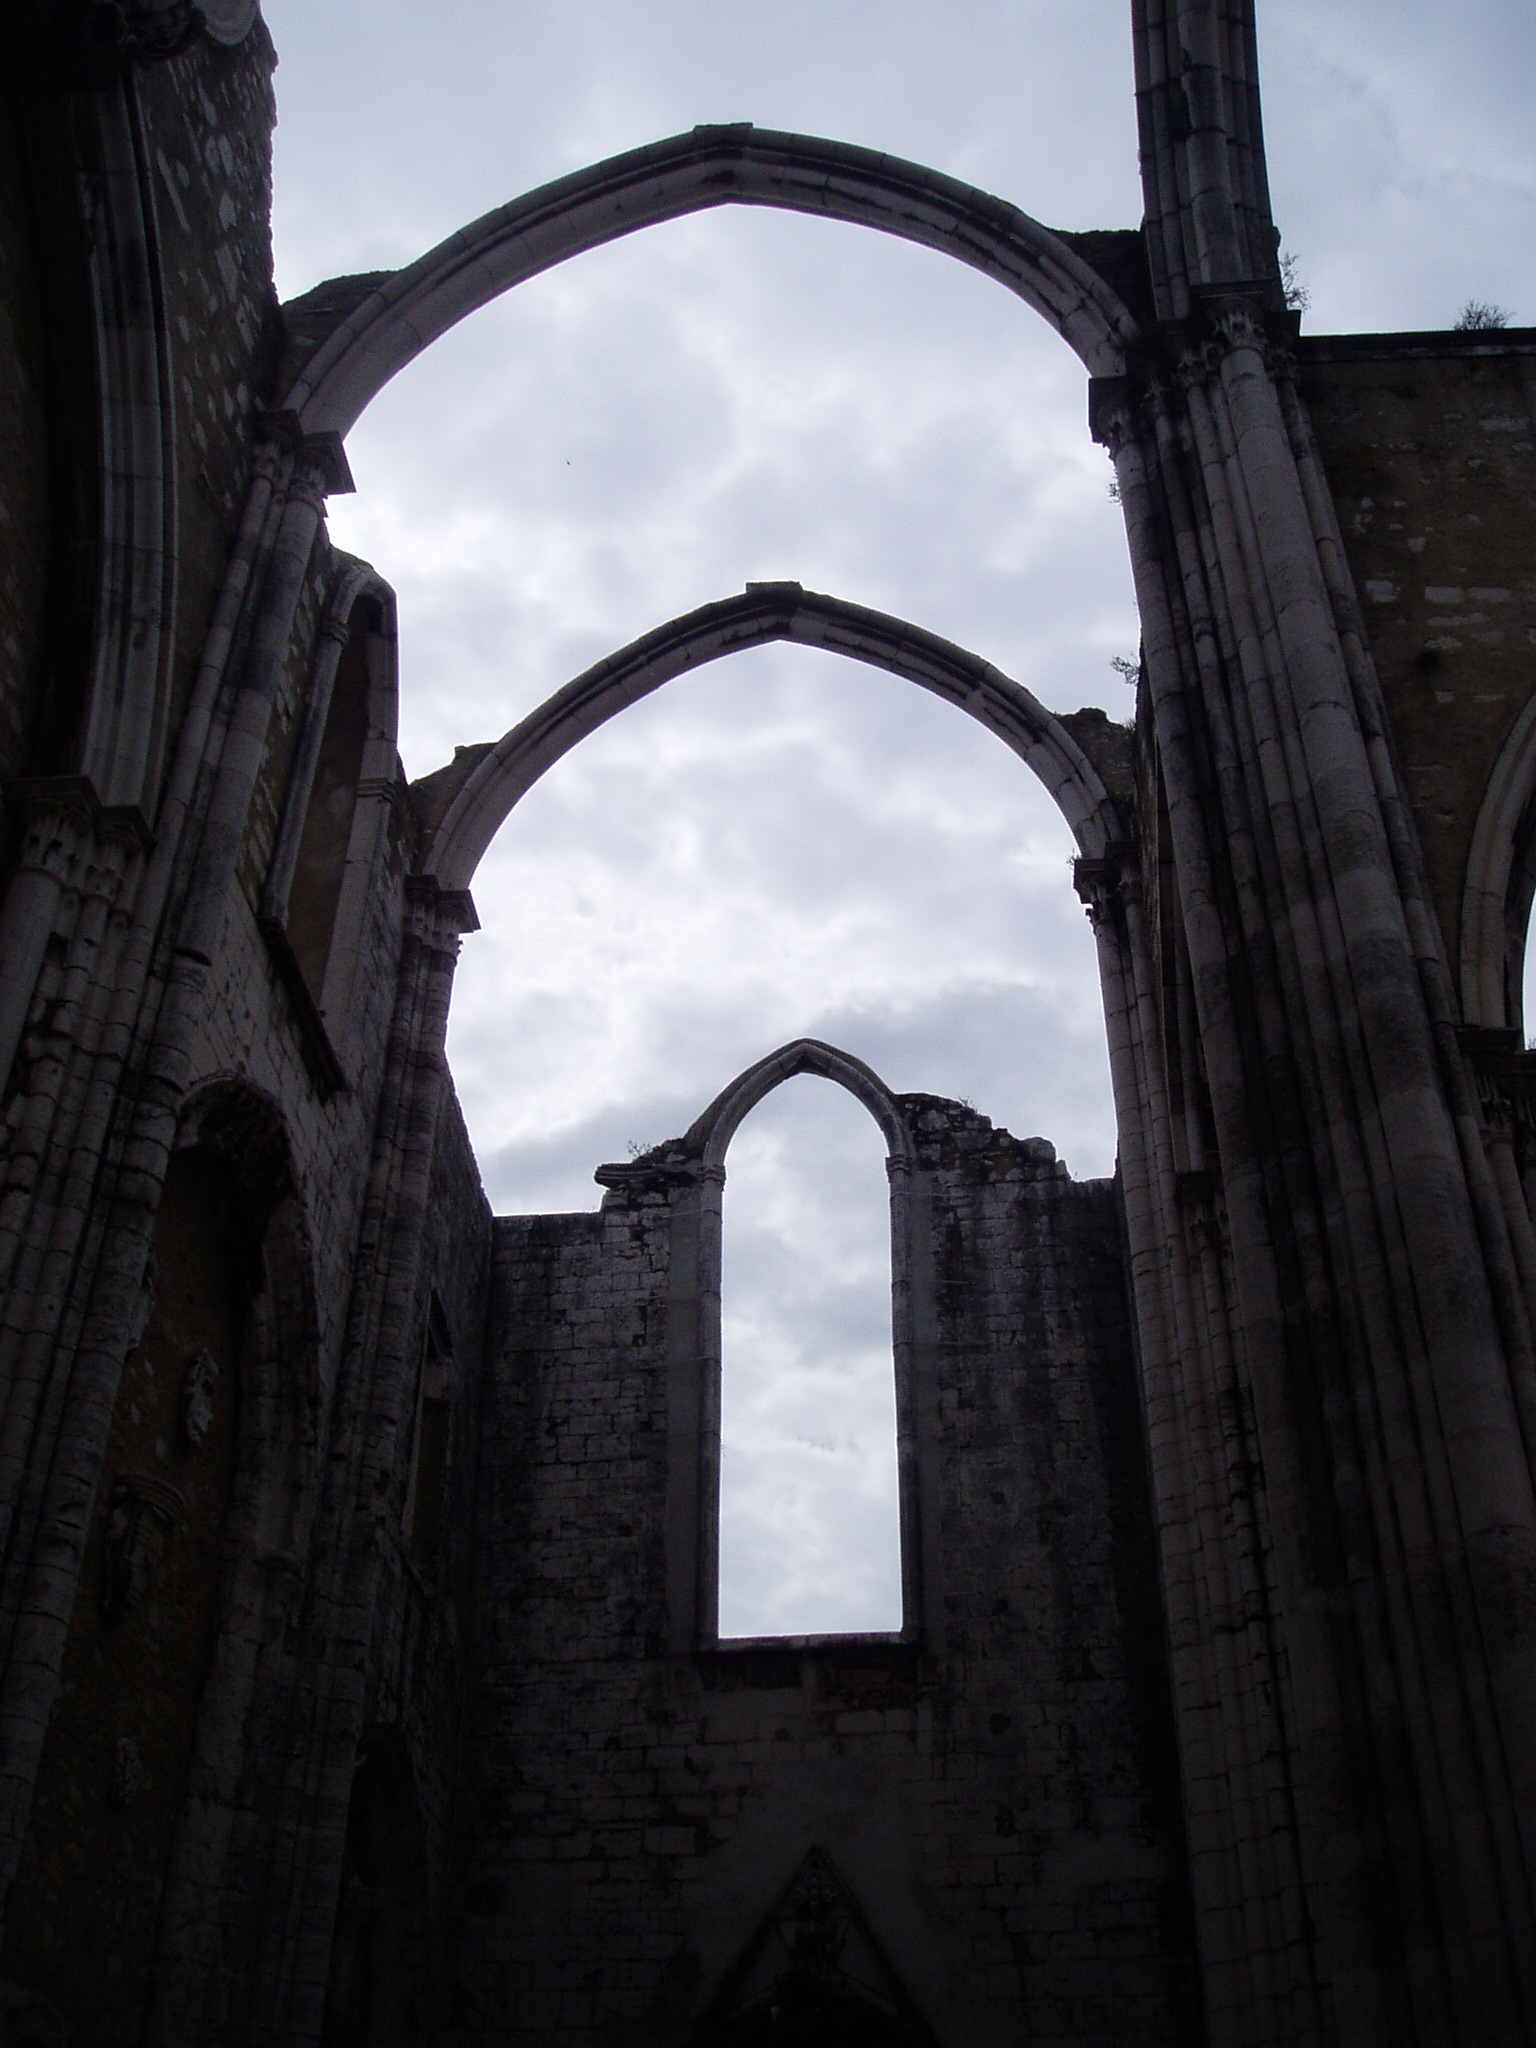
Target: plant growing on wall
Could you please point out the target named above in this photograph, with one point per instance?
(1480, 314)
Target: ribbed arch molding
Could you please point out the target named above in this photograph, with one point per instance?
(766, 612)
(406, 310)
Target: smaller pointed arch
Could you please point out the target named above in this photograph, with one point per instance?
(709, 1136)
(698, 1170)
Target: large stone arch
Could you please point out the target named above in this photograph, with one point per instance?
(491, 784)
(353, 336)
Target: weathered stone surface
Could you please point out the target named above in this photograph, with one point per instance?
(359, 1678)
(998, 1790)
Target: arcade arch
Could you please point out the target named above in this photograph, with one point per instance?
(922, 911)
(351, 336)
(479, 793)
(761, 395)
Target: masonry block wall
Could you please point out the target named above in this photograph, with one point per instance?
(995, 1787)
(1429, 441)
(209, 112)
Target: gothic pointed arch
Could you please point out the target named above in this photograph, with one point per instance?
(466, 804)
(710, 1135)
(353, 335)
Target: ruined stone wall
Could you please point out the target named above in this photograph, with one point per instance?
(1429, 443)
(995, 1793)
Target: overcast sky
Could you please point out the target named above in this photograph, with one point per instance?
(786, 844)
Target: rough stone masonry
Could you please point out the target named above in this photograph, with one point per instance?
(360, 1676)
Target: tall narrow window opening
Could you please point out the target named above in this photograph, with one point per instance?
(322, 853)
(809, 1500)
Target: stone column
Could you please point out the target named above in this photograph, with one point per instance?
(1354, 1400)
(372, 1420)
(87, 1218)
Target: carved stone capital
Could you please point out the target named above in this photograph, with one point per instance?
(1122, 410)
(1101, 882)
(1112, 403)
(63, 821)
(1187, 352)
(1242, 315)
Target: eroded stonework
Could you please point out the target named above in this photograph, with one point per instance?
(359, 1670)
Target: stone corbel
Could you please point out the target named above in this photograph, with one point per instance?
(319, 458)
(432, 905)
(1111, 411)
